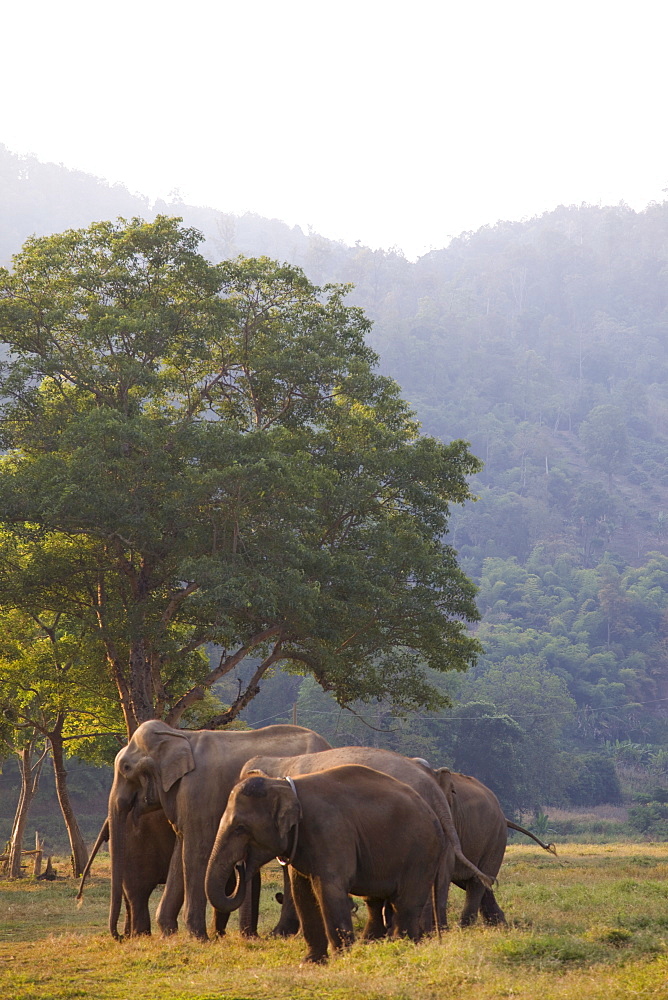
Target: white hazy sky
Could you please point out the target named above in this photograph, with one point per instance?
(396, 124)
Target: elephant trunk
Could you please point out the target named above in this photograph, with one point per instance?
(226, 875)
(117, 834)
(102, 838)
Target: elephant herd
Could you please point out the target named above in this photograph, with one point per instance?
(202, 812)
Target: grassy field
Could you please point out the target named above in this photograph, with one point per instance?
(591, 924)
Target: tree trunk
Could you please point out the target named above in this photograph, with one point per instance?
(79, 852)
(141, 691)
(29, 784)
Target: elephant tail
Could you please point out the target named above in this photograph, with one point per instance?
(520, 829)
(444, 815)
(102, 838)
(435, 906)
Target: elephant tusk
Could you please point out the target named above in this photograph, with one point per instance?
(288, 861)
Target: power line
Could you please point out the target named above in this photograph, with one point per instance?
(585, 710)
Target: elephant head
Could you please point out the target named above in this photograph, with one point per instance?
(146, 769)
(260, 823)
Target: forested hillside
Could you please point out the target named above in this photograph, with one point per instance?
(545, 344)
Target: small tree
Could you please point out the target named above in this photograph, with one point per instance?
(50, 694)
(605, 439)
(526, 708)
(31, 749)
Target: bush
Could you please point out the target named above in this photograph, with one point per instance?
(650, 815)
(593, 781)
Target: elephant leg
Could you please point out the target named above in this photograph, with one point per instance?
(414, 907)
(310, 917)
(140, 917)
(407, 919)
(172, 896)
(194, 895)
(250, 908)
(335, 907)
(375, 926)
(218, 924)
(427, 917)
(288, 923)
(474, 894)
(491, 911)
(440, 904)
(127, 926)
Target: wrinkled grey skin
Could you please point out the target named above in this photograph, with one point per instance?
(386, 762)
(188, 775)
(347, 829)
(149, 844)
(483, 832)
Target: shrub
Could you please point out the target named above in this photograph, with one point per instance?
(593, 781)
(650, 814)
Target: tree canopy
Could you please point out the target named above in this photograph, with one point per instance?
(202, 455)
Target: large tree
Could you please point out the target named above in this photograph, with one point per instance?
(214, 447)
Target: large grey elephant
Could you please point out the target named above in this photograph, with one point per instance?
(483, 832)
(344, 830)
(387, 762)
(188, 775)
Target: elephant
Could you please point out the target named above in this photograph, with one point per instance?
(483, 832)
(387, 762)
(149, 845)
(188, 775)
(347, 829)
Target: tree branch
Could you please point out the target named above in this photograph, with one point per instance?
(226, 664)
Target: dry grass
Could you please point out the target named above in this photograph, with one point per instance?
(589, 925)
(616, 814)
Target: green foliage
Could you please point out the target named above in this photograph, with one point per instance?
(540, 825)
(650, 815)
(592, 780)
(491, 745)
(546, 949)
(604, 437)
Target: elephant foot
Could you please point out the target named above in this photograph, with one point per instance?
(374, 933)
(314, 959)
(200, 936)
(168, 930)
(285, 928)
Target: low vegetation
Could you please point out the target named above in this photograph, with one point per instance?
(592, 923)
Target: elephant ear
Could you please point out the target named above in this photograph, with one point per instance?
(444, 778)
(287, 811)
(174, 757)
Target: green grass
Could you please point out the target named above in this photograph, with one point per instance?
(591, 924)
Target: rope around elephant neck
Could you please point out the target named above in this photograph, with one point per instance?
(288, 861)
